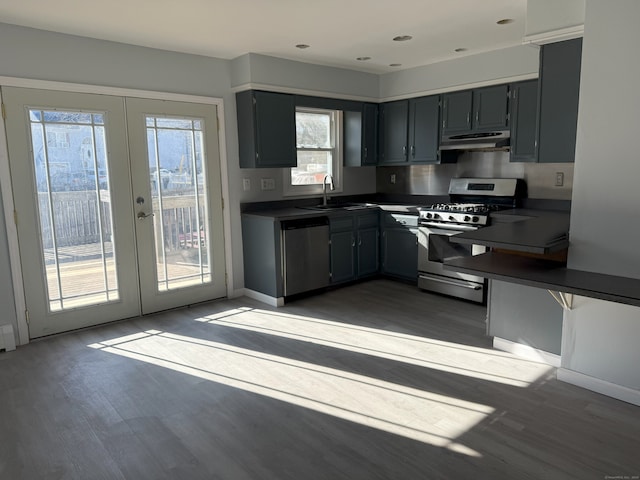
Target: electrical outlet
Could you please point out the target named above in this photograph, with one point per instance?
(267, 184)
(392, 179)
(246, 184)
(559, 179)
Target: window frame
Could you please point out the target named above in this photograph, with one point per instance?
(337, 150)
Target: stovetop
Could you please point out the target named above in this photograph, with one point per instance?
(456, 213)
(479, 208)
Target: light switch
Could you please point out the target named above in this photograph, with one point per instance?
(559, 179)
(246, 184)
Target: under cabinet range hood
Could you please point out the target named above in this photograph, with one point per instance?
(498, 140)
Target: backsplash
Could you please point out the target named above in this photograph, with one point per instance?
(434, 179)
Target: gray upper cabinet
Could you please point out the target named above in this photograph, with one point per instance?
(266, 129)
(456, 112)
(409, 131)
(560, 65)
(369, 134)
(394, 123)
(523, 107)
(424, 122)
(490, 108)
(361, 136)
(475, 110)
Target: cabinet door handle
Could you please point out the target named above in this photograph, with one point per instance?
(468, 118)
(477, 116)
(413, 151)
(404, 150)
(353, 241)
(365, 152)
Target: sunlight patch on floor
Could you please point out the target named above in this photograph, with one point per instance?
(475, 362)
(423, 416)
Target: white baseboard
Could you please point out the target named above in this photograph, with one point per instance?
(525, 351)
(619, 392)
(261, 297)
(236, 293)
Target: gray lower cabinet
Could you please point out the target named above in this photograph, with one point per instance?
(354, 250)
(400, 246)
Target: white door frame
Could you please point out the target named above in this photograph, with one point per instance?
(7, 190)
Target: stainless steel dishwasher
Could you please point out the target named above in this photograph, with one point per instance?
(305, 254)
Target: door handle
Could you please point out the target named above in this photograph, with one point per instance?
(142, 215)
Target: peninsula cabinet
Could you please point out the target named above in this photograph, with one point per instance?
(476, 110)
(409, 131)
(560, 65)
(523, 108)
(266, 129)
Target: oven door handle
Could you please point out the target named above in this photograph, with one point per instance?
(457, 283)
(449, 226)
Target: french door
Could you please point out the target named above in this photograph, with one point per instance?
(118, 205)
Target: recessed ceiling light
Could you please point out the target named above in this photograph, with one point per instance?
(402, 38)
(302, 46)
(505, 21)
(461, 49)
(395, 64)
(363, 59)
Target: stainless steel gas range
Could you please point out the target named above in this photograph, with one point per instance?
(472, 201)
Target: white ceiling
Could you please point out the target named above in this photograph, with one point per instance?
(337, 31)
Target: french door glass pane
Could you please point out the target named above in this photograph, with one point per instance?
(74, 207)
(179, 196)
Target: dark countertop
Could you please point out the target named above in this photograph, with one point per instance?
(523, 230)
(549, 275)
(292, 213)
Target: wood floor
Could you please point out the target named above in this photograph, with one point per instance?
(373, 381)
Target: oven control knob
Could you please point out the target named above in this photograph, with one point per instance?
(475, 219)
(429, 215)
(452, 218)
(467, 218)
(435, 215)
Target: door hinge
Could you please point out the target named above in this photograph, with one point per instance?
(15, 217)
(26, 316)
(226, 279)
(4, 111)
(222, 200)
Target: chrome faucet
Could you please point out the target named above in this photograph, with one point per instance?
(324, 187)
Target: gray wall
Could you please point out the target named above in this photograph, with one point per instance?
(601, 338)
(498, 66)
(253, 69)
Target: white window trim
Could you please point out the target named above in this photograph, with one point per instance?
(290, 190)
